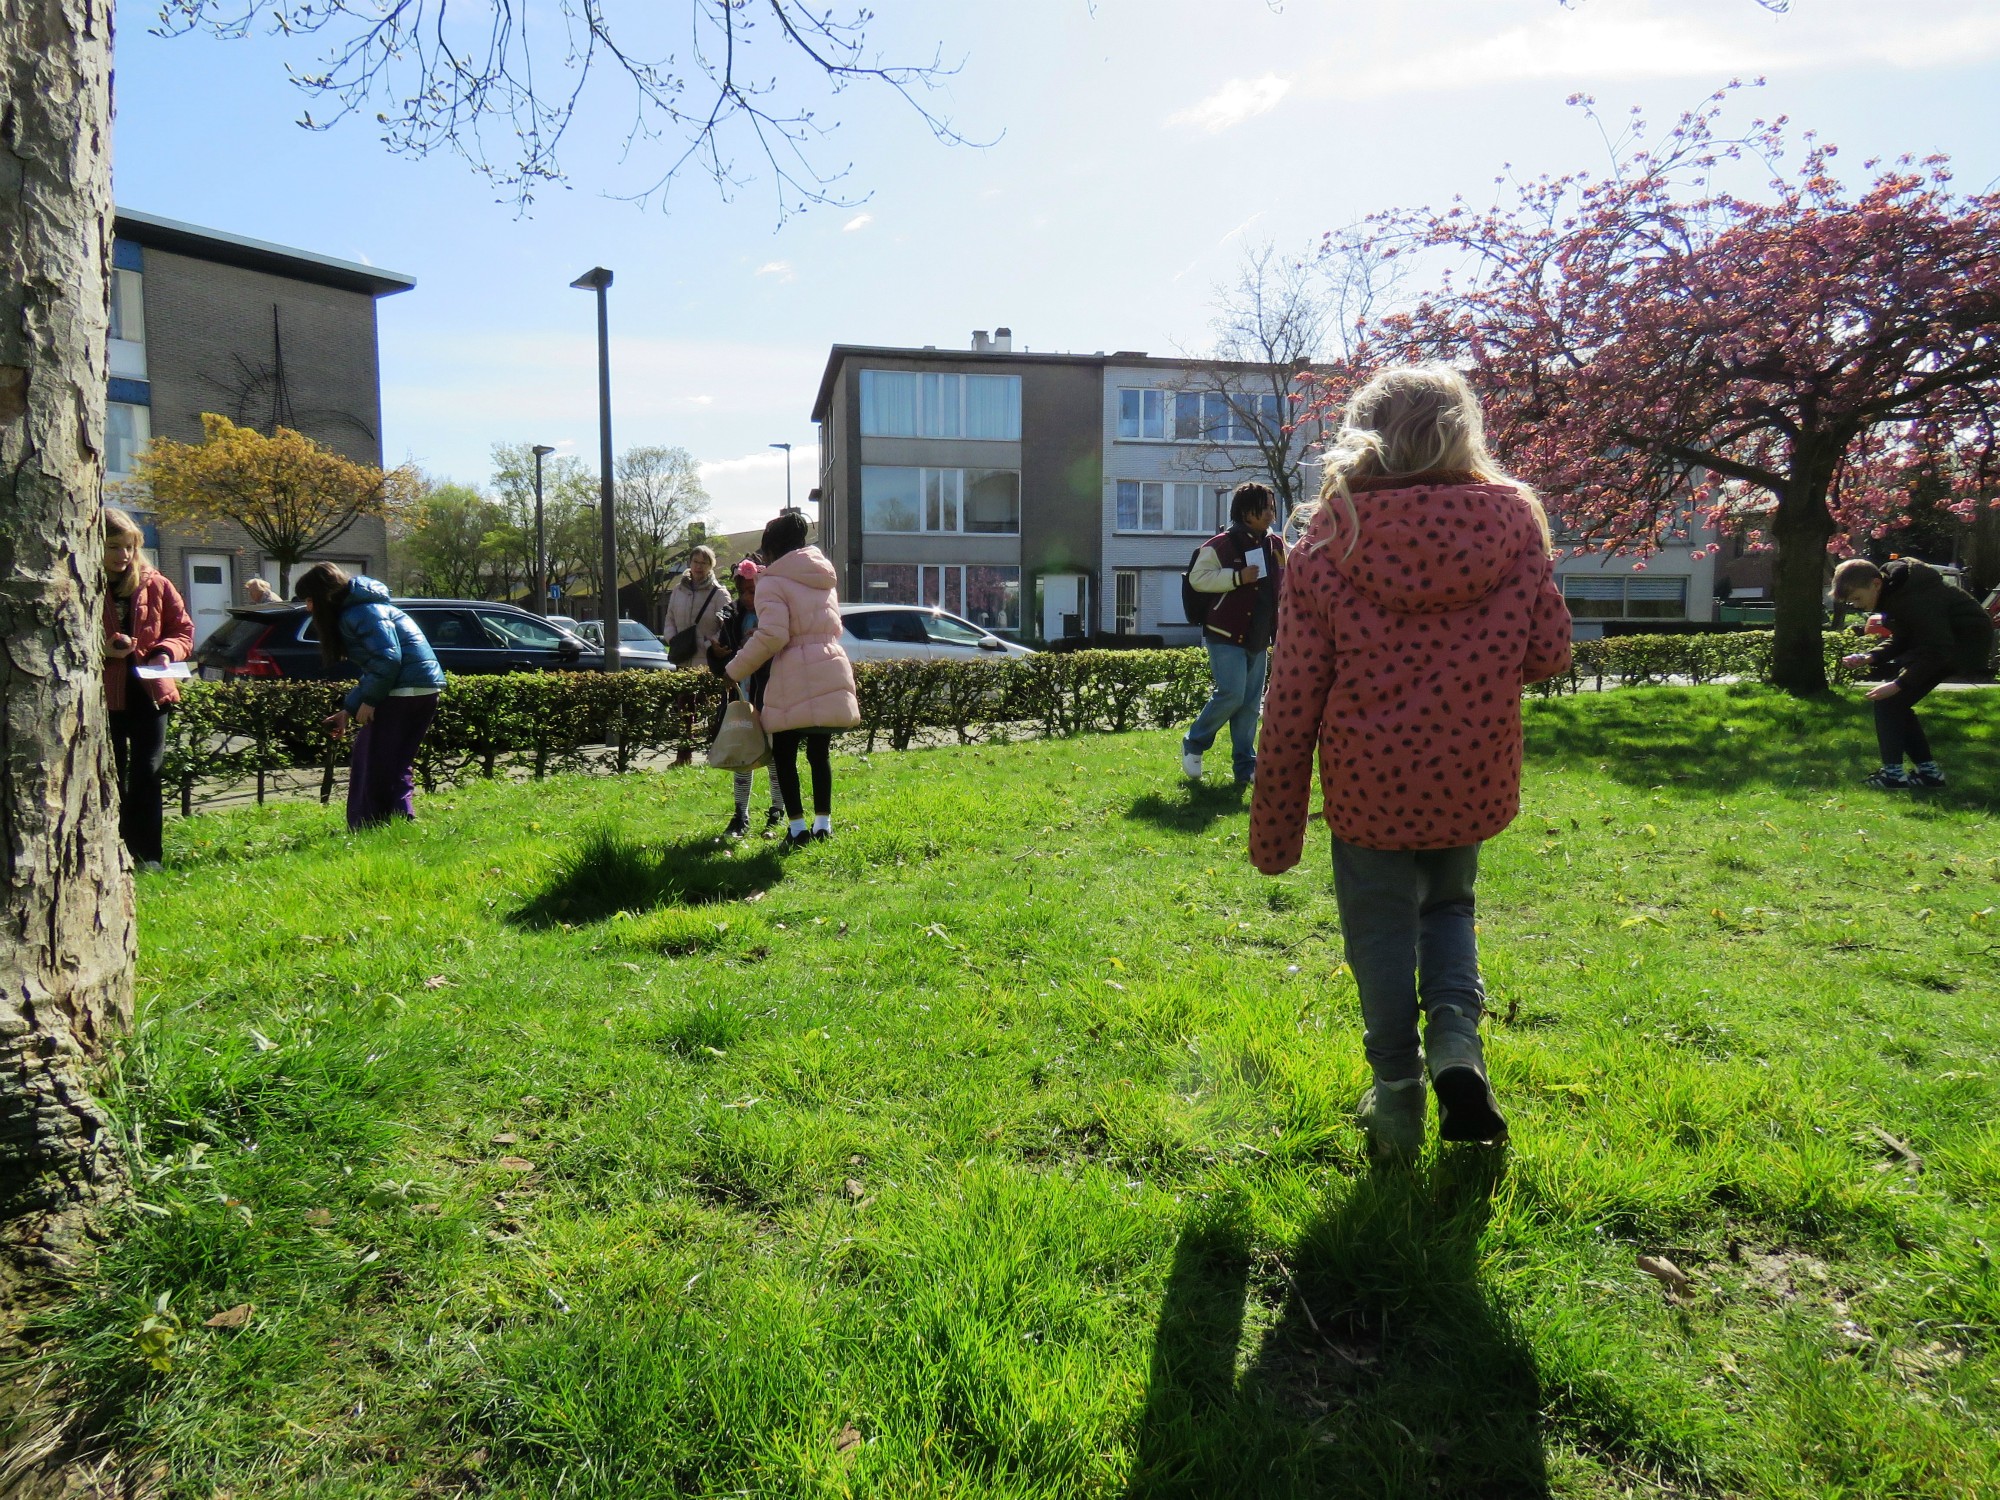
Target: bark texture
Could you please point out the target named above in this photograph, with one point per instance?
(66, 910)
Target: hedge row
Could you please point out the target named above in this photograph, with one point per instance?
(538, 724)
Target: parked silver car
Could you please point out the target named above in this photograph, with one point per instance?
(637, 646)
(913, 632)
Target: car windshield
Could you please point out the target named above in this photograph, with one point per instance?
(639, 635)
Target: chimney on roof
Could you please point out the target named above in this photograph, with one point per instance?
(1003, 341)
(981, 344)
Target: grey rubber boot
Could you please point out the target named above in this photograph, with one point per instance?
(1467, 1110)
(1392, 1117)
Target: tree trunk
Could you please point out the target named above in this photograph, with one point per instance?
(284, 578)
(66, 914)
(1801, 528)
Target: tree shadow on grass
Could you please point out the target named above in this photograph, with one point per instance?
(611, 872)
(1190, 809)
(1388, 1373)
(1727, 739)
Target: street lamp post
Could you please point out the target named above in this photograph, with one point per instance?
(541, 451)
(788, 472)
(597, 279)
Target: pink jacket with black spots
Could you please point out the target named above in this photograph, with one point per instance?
(1402, 662)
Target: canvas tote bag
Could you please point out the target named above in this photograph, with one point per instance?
(740, 744)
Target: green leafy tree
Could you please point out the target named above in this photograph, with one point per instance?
(449, 538)
(660, 500)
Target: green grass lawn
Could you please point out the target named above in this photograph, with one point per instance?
(1002, 1146)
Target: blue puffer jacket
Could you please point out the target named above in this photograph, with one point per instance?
(385, 644)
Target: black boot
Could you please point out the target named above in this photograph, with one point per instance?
(738, 825)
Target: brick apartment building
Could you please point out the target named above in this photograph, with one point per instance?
(1039, 495)
(203, 321)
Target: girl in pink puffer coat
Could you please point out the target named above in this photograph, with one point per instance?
(810, 696)
(1420, 602)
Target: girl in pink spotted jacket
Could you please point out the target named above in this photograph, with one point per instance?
(1419, 603)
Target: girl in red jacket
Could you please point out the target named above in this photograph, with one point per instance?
(145, 625)
(1419, 603)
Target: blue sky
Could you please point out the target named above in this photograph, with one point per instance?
(1140, 146)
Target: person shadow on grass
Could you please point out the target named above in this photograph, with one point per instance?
(1388, 1371)
(1191, 807)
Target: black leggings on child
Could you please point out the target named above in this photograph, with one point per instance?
(785, 768)
(1897, 732)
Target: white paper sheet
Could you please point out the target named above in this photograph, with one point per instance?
(1253, 557)
(178, 669)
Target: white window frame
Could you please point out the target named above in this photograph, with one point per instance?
(941, 405)
(142, 434)
(1623, 583)
(951, 497)
(1205, 509)
(1237, 432)
(1124, 622)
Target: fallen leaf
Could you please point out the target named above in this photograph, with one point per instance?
(855, 1189)
(516, 1164)
(504, 1138)
(436, 982)
(1664, 1271)
(849, 1439)
(236, 1317)
(264, 1043)
(319, 1218)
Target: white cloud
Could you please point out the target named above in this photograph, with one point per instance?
(1616, 39)
(746, 492)
(1238, 100)
(782, 269)
(859, 221)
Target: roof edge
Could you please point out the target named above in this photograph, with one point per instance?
(176, 237)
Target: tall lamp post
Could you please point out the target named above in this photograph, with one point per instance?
(597, 280)
(541, 451)
(788, 472)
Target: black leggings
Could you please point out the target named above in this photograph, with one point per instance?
(139, 747)
(785, 768)
(1897, 731)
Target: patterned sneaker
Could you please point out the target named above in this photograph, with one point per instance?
(1928, 773)
(1888, 779)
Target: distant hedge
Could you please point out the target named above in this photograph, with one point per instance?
(538, 724)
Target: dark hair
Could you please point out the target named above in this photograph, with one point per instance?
(787, 532)
(1251, 499)
(324, 587)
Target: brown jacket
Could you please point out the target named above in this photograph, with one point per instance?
(161, 632)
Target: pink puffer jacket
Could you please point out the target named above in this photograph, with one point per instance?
(798, 633)
(1402, 664)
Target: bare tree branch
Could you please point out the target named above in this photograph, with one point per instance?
(437, 77)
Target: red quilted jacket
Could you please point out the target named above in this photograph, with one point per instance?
(1403, 663)
(161, 631)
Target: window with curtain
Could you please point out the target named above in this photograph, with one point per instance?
(127, 428)
(1149, 505)
(1639, 596)
(889, 403)
(905, 403)
(1144, 412)
(993, 407)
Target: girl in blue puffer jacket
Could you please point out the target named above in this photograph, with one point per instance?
(395, 700)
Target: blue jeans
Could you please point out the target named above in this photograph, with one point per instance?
(1237, 700)
(1407, 918)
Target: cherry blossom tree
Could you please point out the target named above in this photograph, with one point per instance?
(1645, 337)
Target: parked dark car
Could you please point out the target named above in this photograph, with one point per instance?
(470, 636)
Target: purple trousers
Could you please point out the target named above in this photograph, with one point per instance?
(382, 780)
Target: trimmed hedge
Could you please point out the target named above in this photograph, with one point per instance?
(538, 724)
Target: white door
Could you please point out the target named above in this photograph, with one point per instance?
(1062, 606)
(207, 591)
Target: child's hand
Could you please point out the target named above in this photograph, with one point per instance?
(1882, 690)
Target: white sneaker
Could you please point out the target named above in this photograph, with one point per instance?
(1191, 767)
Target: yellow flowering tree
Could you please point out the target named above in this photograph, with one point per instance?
(288, 493)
